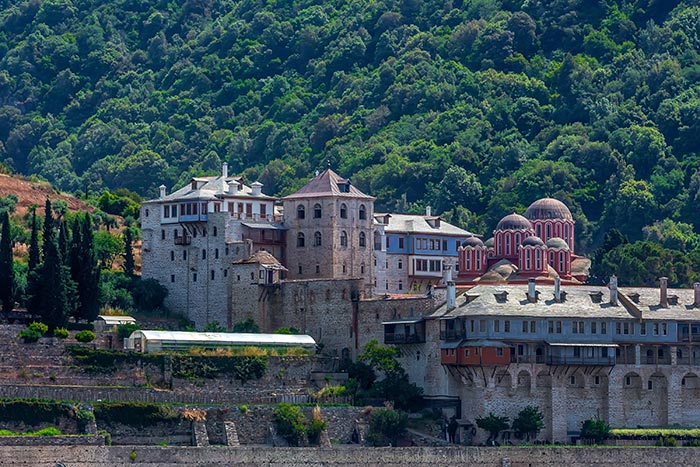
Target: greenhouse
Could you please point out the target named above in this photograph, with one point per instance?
(160, 341)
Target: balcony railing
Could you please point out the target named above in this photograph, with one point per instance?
(183, 240)
(403, 339)
(587, 361)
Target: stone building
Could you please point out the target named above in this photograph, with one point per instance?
(411, 250)
(330, 231)
(630, 356)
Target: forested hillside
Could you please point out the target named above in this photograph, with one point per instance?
(476, 108)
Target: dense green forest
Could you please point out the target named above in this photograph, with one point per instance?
(476, 108)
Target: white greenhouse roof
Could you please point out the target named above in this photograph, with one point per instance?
(226, 338)
(116, 319)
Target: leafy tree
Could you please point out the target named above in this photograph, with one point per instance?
(493, 424)
(108, 247)
(148, 294)
(529, 422)
(387, 426)
(7, 272)
(595, 430)
(291, 424)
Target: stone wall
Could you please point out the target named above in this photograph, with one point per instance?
(118, 456)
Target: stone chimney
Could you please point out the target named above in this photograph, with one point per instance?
(696, 287)
(531, 292)
(613, 290)
(663, 292)
(224, 170)
(451, 287)
(257, 188)
(557, 289)
(428, 211)
(162, 191)
(233, 187)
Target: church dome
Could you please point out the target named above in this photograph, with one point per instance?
(548, 208)
(514, 222)
(472, 241)
(489, 243)
(533, 241)
(557, 243)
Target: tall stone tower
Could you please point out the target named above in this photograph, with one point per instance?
(329, 234)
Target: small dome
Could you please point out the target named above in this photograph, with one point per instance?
(548, 208)
(489, 243)
(557, 243)
(533, 241)
(473, 242)
(514, 222)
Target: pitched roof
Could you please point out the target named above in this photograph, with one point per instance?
(264, 258)
(410, 223)
(328, 183)
(210, 188)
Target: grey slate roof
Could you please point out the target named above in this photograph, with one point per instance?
(481, 301)
(410, 223)
(327, 184)
(212, 188)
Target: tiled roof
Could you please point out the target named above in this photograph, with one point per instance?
(262, 257)
(327, 184)
(481, 301)
(211, 188)
(409, 223)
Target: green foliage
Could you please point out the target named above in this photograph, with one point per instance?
(214, 326)
(286, 331)
(125, 330)
(493, 424)
(246, 326)
(33, 411)
(243, 368)
(291, 424)
(61, 333)
(48, 431)
(121, 202)
(7, 270)
(84, 418)
(139, 414)
(85, 336)
(529, 422)
(653, 433)
(107, 361)
(41, 328)
(148, 294)
(386, 426)
(595, 430)
(667, 441)
(29, 335)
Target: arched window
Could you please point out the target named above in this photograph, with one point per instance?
(343, 211)
(317, 211)
(548, 228)
(363, 212)
(300, 240)
(551, 258)
(507, 244)
(528, 260)
(517, 240)
(538, 260)
(317, 239)
(561, 261)
(343, 238)
(468, 260)
(478, 260)
(301, 213)
(363, 240)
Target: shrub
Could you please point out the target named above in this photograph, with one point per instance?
(214, 326)
(138, 414)
(61, 333)
(41, 328)
(667, 441)
(246, 326)
(316, 426)
(84, 418)
(148, 294)
(386, 426)
(595, 430)
(291, 424)
(528, 422)
(125, 330)
(244, 409)
(29, 335)
(85, 336)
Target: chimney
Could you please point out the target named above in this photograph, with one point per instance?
(531, 292)
(257, 188)
(162, 191)
(613, 290)
(233, 187)
(428, 211)
(224, 170)
(663, 286)
(451, 288)
(696, 302)
(557, 289)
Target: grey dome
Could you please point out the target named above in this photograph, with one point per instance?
(548, 208)
(557, 243)
(473, 242)
(514, 222)
(489, 243)
(533, 241)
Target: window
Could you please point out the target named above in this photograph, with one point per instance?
(664, 329)
(345, 268)
(213, 274)
(525, 326)
(214, 231)
(318, 269)
(596, 380)
(400, 285)
(343, 238)
(650, 385)
(301, 214)
(399, 265)
(216, 253)
(317, 239)
(301, 270)
(172, 277)
(263, 210)
(300, 240)
(656, 329)
(550, 327)
(317, 211)
(343, 211)
(184, 255)
(603, 328)
(625, 328)
(533, 327)
(363, 212)
(172, 255)
(362, 268)
(506, 326)
(401, 242)
(362, 240)
(594, 327)
(162, 234)
(628, 381)
(482, 325)
(444, 245)
(496, 326)
(618, 328)
(499, 352)
(166, 211)
(643, 329)
(558, 327)
(572, 378)
(225, 272)
(147, 212)
(387, 243)
(204, 254)
(194, 277)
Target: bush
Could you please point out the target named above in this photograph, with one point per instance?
(61, 333)
(214, 326)
(41, 328)
(85, 336)
(84, 418)
(138, 414)
(667, 441)
(316, 426)
(148, 294)
(528, 422)
(246, 326)
(125, 330)
(595, 430)
(291, 424)
(386, 426)
(29, 335)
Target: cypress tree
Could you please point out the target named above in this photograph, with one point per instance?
(48, 227)
(53, 296)
(84, 269)
(128, 252)
(33, 245)
(7, 272)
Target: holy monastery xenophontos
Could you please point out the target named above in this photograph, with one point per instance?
(483, 326)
